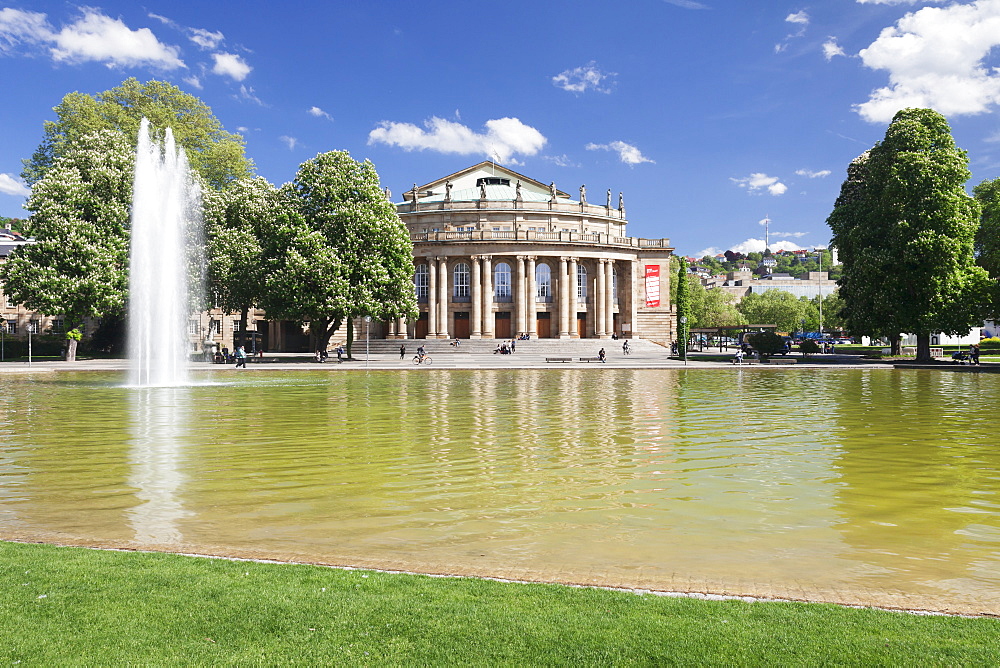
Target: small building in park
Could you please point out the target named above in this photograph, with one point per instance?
(498, 254)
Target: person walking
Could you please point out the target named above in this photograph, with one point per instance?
(241, 357)
(974, 354)
(625, 347)
(402, 351)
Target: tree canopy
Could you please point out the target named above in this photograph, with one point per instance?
(350, 255)
(214, 153)
(773, 307)
(904, 227)
(78, 265)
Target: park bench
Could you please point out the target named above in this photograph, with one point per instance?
(782, 360)
(558, 359)
(747, 360)
(590, 359)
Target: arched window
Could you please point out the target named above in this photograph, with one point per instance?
(422, 282)
(461, 276)
(581, 283)
(543, 283)
(501, 283)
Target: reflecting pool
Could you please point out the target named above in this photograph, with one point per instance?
(863, 486)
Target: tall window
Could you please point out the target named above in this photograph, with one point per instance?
(422, 282)
(12, 326)
(543, 283)
(57, 325)
(461, 275)
(614, 285)
(581, 283)
(501, 282)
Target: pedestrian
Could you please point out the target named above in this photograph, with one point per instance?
(602, 355)
(513, 346)
(402, 351)
(974, 354)
(324, 355)
(625, 348)
(340, 354)
(241, 357)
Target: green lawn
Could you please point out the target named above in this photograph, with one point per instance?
(71, 606)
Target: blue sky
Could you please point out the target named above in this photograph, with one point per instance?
(709, 115)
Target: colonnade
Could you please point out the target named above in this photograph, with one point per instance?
(526, 303)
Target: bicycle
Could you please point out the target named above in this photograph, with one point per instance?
(426, 359)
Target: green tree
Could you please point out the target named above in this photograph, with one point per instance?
(240, 222)
(773, 307)
(766, 343)
(682, 299)
(340, 201)
(711, 308)
(905, 227)
(78, 265)
(216, 154)
(987, 242)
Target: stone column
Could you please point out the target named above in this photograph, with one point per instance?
(573, 299)
(563, 298)
(609, 297)
(530, 305)
(443, 298)
(520, 299)
(432, 295)
(600, 302)
(477, 299)
(488, 297)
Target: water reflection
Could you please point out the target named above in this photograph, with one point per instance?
(738, 480)
(159, 418)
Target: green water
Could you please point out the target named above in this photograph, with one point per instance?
(831, 484)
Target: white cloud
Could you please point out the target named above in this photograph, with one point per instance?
(93, 37)
(249, 94)
(205, 38)
(581, 79)
(560, 160)
(193, 81)
(230, 65)
(319, 113)
(757, 181)
(801, 18)
(686, 4)
(711, 250)
(935, 58)
(831, 49)
(823, 173)
(10, 185)
(290, 142)
(628, 154)
(504, 137)
(758, 246)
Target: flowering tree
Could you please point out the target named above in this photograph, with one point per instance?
(78, 265)
(343, 231)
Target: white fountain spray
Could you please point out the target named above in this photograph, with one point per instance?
(165, 209)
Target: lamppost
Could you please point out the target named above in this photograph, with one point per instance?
(368, 319)
(819, 282)
(684, 341)
(31, 329)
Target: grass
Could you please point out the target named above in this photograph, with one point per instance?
(72, 606)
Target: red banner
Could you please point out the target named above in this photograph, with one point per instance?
(652, 285)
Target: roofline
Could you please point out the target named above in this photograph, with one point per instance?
(484, 163)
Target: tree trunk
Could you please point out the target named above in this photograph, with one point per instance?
(71, 345)
(924, 347)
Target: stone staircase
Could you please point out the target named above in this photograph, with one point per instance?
(545, 347)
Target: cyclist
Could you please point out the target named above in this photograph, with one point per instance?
(421, 353)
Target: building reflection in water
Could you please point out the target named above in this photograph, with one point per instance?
(159, 418)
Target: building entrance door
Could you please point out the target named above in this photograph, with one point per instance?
(462, 325)
(420, 330)
(502, 325)
(543, 325)
(581, 325)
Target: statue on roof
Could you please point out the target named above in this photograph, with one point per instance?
(388, 194)
(583, 194)
(517, 192)
(447, 191)
(608, 205)
(621, 202)
(482, 191)
(552, 190)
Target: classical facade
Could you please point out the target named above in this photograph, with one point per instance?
(498, 254)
